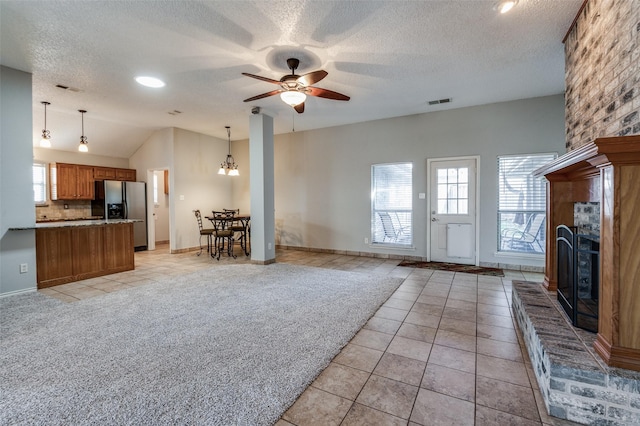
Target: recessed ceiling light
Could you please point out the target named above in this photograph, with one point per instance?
(150, 81)
(503, 6)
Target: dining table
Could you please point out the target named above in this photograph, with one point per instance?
(244, 220)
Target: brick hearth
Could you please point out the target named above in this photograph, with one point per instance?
(574, 382)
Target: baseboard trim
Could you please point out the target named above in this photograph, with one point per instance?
(15, 292)
(511, 267)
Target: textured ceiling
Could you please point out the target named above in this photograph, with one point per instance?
(391, 57)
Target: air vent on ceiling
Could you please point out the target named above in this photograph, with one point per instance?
(440, 101)
(71, 89)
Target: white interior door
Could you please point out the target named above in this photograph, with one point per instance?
(453, 210)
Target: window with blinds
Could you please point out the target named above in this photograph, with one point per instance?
(391, 204)
(39, 183)
(522, 203)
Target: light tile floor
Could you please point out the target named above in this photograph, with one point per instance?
(443, 350)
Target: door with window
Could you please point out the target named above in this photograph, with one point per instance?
(453, 210)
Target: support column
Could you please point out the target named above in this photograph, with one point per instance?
(262, 189)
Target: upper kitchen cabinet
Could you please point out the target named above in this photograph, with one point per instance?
(71, 181)
(128, 175)
(104, 173)
(109, 173)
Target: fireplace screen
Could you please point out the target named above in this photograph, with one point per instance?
(578, 276)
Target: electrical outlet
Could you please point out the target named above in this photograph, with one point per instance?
(268, 246)
(24, 268)
(366, 240)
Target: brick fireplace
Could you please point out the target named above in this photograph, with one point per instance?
(606, 171)
(585, 377)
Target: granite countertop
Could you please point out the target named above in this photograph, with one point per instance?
(65, 219)
(73, 223)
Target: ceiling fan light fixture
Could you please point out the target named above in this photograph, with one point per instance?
(45, 141)
(293, 97)
(504, 6)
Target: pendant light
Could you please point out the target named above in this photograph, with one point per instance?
(229, 165)
(45, 142)
(82, 147)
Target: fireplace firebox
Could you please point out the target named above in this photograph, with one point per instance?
(578, 276)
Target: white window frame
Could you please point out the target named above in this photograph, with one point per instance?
(398, 218)
(43, 184)
(530, 209)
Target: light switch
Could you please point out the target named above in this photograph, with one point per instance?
(182, 198)
(421, 195)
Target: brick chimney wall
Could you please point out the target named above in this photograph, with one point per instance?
(602, 72)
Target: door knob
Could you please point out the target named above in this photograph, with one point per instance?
(433, 219)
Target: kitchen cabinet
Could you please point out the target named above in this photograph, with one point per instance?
(91, 258)
(54, 258)
(104, 173)
(110, 173)
(128, 175)
(69, 252)
(119, 247)
(71, 181)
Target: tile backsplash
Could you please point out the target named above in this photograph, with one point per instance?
(56, 210)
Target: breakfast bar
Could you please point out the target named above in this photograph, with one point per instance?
(68, 251)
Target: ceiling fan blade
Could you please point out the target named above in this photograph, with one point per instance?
(324, 93)
(299, 108)
(268, 80)
(312, 77)
(264, 95)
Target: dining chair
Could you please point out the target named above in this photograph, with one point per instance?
(237, 226)
(208, 232)
(222, 233)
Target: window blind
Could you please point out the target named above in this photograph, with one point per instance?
(39, 183)
(518, 189)
(391, 203)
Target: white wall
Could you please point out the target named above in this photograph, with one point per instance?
(50, 155)
(323, 177)
(16, 182)
(197, 185)
(193, 160)
(154, 154)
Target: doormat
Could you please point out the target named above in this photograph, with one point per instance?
(454, 267)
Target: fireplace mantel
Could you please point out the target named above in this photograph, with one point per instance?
(605, 171)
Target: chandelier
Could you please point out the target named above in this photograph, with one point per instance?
(229, 166)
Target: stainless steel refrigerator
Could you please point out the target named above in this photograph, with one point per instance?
(123, 200)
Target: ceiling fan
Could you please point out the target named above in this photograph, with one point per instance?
(295, 88)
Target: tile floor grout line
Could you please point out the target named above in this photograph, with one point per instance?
(426, 364)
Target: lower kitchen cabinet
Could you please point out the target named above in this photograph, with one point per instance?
(54, 256)
(90, 260)
(119, 247)
(72, 253)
